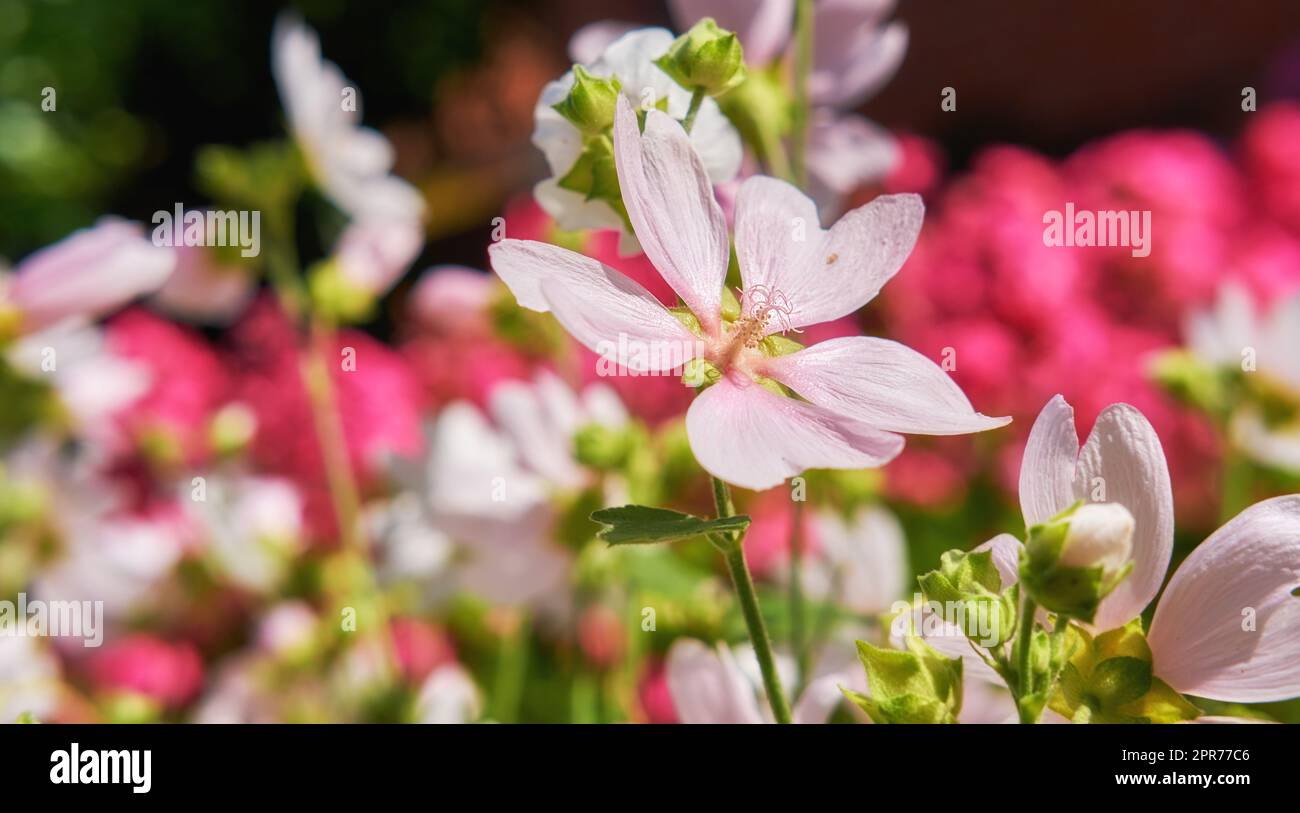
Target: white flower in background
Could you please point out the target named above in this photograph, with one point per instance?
(373, 254)
(103, 553)
(448, 696)
(862, 564)
(630, 59)
(120, 561)
(29, 679)
(486, 485)
(845, 152)
(252, 525)
(1235, 335)
(719, 685)
(92, 382)
(351, 163)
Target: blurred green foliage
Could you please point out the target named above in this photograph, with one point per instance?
(139, 85)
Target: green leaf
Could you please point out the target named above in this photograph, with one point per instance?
(641, 524)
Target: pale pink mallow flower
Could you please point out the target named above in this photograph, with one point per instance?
(86, 275)
(1228, 624)
(1120, 462)
(352, 164)
(857, 392)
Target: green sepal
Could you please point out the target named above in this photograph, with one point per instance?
(591, 102)
(334, 295)
(641, 524)
(706, 57)
(914, 686)
(1109, 679)
(971, 580)
(1072, 591)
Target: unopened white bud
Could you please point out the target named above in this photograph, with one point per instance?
(1099, 534)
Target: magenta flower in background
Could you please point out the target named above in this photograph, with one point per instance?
(861, 391)
(170, 674)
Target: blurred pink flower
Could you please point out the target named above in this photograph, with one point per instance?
(420, 647)
(187, 381)
(171, 674)
(1269, 157)
(203, 290)
(377, 400)
(602, 636)
(454, 300)
(87, 274)
(653, 694)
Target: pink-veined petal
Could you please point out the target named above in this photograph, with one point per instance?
(1122, 462)
(824, 274)
(707, 685)
(751, 437)
(670, 204)
(881, 383)
(604, 310)
(1047, 468)
(1202, 635)
(763, 26)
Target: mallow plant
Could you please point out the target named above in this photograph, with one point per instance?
(767, 407)
(1060, 616)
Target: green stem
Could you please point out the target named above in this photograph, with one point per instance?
(697, 98)
(733, 552)
(773, 154)
(330, 436)
(798, 638)
(512, 667)
(1024, 642)
(803, 36)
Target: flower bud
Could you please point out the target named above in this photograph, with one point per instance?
(706, 57)
(591, 102)
(1098, 534)
(1074, 560)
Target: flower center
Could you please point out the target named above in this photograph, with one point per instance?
(759, 307)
